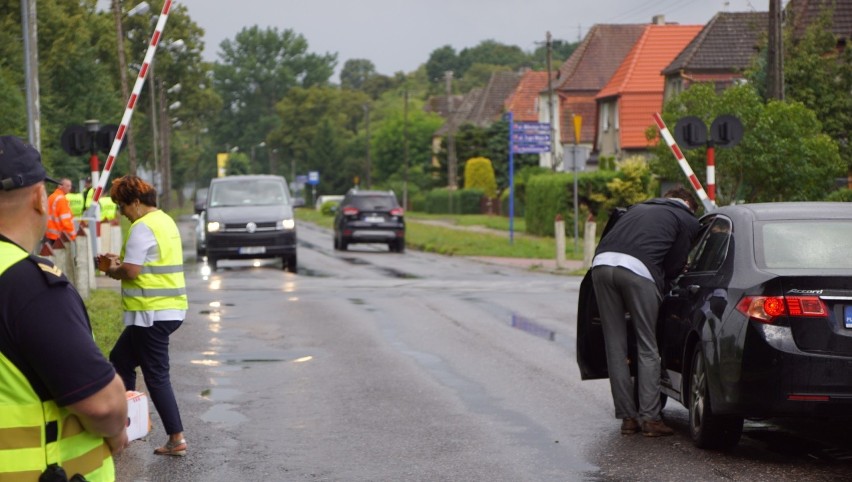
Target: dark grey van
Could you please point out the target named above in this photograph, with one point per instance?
(250, 217)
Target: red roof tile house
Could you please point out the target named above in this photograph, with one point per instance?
(523, 103)
(582, 76)
(635, 92)
(720, 53)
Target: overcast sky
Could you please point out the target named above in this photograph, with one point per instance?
(399, 35)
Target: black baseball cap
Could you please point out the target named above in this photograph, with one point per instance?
(20, 164)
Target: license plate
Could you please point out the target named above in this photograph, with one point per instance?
(374, 219)
(847, 316)
(253, 250)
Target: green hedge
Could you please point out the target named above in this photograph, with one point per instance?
(551, 194)
(843, 195)
(464, 201)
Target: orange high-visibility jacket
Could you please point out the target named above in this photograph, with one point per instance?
(59, 217)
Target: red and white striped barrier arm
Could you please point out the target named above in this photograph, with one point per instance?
(696, 185)
(131, 104)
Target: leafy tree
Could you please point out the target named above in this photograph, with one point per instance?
(479, 174)
(478, 75)
(492, 52)
(322, 125)
(784, 156)
(238, 164)
(819, 75)
(256, 70)
(562, 49)
(387, 143)
(355, 73)
(441, 60)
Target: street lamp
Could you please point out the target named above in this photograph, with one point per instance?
(262, 144)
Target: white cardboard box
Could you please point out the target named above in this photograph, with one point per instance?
(138, 418)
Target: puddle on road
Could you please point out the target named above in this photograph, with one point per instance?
(356, 261)
(531, 327)
(252, 360)
(223, 413)
(396, 273)
(219, 394)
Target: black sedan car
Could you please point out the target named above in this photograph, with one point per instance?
(760, 323)
(369, 217)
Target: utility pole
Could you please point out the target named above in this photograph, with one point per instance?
(775, 54)
(122, 70)
(551, 107)
(451, 139)
(405, 148)
(30, 31)
(367, 122)
(165, 132)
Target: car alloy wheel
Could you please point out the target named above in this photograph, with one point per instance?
(708, 431)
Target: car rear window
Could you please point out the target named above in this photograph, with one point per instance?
(373, 203)
(253, 192)
(818, 244)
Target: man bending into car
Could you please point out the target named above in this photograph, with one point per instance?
(638, 258)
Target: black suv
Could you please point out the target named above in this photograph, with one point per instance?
(369, 217)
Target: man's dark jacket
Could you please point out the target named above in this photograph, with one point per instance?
(659, 232)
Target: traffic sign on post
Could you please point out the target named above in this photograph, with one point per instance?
(313, 178)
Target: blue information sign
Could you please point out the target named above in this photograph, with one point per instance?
(531, 137)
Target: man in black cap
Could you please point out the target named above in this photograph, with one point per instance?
(65, 406)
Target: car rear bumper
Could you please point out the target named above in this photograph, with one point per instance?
(373, 234)
(778, 380)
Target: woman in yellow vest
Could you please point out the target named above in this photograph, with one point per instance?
(153, 293)
(62, 406)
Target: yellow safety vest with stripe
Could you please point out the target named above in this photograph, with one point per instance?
(75, 200)
(35, 434)
(160, 285)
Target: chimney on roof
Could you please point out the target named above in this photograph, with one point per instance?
(658, 20)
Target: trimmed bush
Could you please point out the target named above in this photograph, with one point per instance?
(551, 194)
(479, 174)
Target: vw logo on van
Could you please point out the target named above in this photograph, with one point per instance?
(251, 227)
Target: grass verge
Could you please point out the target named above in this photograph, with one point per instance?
(104, 307)
(455, 237)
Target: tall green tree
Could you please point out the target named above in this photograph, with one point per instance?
(356, 72)
(783, 156)
(256, 70)
(317, 126)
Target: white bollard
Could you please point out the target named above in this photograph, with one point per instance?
(82, 259)
(559, 232)
(589, 243)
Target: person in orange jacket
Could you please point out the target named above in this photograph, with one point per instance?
(60, 219)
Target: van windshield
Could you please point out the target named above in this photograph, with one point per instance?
(253, 192)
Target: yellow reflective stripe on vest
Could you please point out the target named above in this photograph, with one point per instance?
(24, 450)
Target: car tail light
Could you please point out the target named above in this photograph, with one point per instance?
(397, 212)
(766, 309)
(350, 211)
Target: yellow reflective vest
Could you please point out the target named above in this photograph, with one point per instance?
(108, 208)
(161, 284)
(75, 200)
(35, 434)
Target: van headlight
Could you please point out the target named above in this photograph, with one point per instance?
(288, 224)
(213, 226)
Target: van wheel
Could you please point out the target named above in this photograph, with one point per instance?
(708, 431)
(289, 263)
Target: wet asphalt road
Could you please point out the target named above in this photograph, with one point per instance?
(375, 366)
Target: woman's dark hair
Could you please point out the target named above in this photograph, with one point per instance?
(129, 188)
